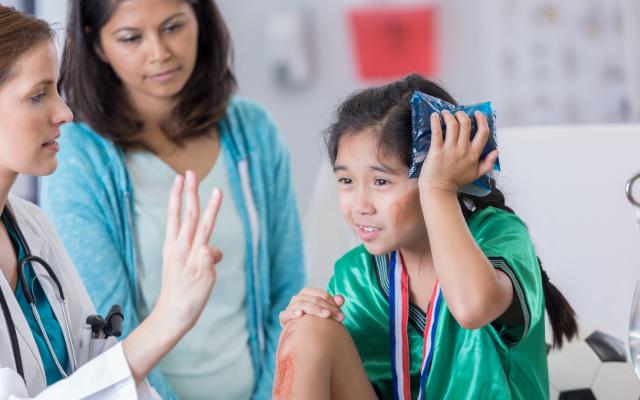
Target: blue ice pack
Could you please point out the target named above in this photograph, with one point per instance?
(422, 106)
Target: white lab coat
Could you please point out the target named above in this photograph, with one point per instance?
(103, 371)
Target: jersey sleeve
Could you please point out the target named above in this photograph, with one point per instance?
(506, 242)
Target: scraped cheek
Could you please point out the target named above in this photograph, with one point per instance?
(404, 210)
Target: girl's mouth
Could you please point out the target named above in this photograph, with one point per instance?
(367, 233)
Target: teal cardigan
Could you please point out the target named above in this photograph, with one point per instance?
(89, 199)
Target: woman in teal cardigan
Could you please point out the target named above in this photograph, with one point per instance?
(150, 100)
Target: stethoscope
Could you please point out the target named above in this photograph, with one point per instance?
(29, 258)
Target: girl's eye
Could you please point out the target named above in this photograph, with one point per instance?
(345, 181)
(381, 182)
(38, 97)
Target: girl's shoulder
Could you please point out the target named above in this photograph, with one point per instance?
(247, 112)
(492, 220)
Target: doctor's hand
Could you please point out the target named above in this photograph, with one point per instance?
(189, 270)
(188, 276)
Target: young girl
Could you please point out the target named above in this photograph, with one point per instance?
(445, 298)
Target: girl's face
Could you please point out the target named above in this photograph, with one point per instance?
(31, 111)
(378, 201)
(152, 46)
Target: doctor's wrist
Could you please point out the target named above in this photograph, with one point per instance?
(148, 343)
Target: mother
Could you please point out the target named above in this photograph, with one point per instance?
(150, 84)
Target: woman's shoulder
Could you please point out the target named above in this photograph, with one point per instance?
(25, 209)
(78, 138)
(32, 219)
(247, 111)
(83, 149)
(250, 123)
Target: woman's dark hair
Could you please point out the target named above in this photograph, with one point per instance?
(96, 95)
(387, 110)
(19, 33)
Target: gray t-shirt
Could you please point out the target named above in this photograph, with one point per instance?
(213, 360)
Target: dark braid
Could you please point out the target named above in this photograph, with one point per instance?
(561, 314)
(387, 108)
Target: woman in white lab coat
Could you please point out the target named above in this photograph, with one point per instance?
(46, 348)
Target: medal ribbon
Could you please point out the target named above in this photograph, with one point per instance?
(399, 317)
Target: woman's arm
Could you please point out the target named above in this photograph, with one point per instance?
(188, 276)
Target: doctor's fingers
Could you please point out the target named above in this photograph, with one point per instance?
(208, 220)
(203, 259)
(191, 213)
(173, 209)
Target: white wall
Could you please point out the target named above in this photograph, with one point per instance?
(302, 115)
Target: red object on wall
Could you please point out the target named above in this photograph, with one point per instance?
(390, 42)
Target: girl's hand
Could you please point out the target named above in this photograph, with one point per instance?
(454, 161)
(313, 302)
(189, 270)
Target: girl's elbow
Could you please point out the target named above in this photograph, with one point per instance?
(470, 317)
(469, 322)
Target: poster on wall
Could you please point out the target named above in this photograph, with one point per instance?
(389, 42)
(560, 62)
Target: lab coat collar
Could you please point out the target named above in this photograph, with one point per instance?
(36, 245)
(31, 361)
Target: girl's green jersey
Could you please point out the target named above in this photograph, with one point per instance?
(494, 362)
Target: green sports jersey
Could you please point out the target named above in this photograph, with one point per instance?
(493, 362)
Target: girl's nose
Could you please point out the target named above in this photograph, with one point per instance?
(363, 205)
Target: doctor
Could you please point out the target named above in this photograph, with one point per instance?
(46, 349)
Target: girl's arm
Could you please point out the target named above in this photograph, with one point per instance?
(476, 293)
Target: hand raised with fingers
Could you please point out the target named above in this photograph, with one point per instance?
(189, 262)
(454, 161)
(314, 302)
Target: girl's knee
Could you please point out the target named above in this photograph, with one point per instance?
(311, 333)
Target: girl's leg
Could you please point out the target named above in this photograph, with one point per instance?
(317, 359)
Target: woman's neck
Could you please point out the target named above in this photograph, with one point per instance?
(7, 179)
(152, 111)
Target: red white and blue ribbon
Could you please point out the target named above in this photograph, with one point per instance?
(399, 317)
